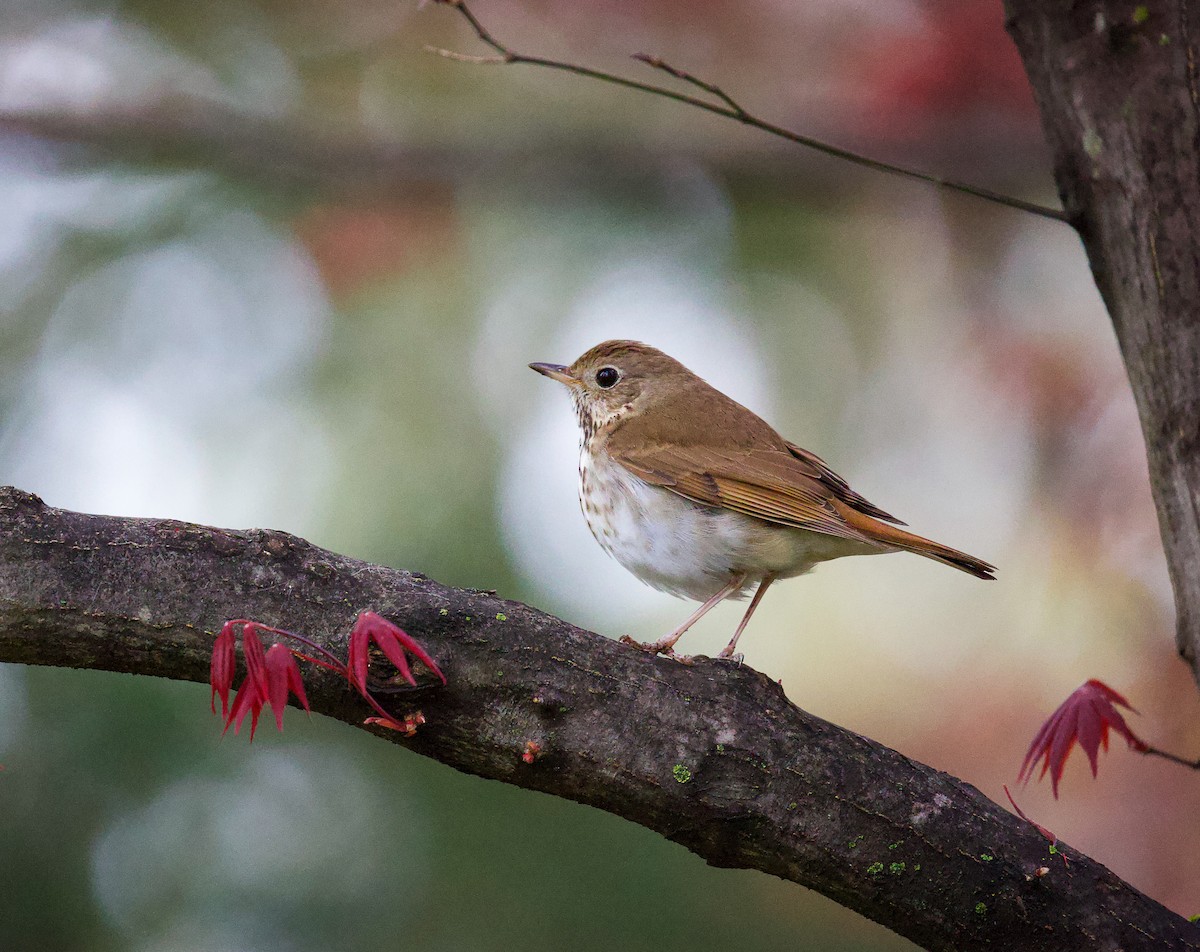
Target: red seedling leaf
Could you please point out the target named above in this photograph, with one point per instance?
(256, 662)
(247, 701)
(413, 647)
(360, 646)
(387, 637)
(272, 675)
(393, 641)
(532, 751)
(283, 676)
(222, 668)
(407, 727)
(1086, 716)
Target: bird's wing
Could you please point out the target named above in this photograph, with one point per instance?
(766, 483)
(815, 467)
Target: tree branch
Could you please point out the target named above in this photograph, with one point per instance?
(727, 107)
(711, 756)
(1152, 751)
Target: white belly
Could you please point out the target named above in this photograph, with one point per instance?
(688, 549)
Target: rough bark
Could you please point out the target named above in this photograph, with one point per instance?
(711, 756)
(1117, 87)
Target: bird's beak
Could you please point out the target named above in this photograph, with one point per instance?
(555, 372)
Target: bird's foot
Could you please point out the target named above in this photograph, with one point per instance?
(681, 658)
(663, 647)
(734, 658)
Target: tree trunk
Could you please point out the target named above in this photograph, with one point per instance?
(1119, 95)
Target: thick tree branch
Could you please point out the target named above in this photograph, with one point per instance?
(1117, 87)
(725, 106)
(713, 757)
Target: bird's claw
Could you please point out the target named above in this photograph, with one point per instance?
(731, 658)
(681, 658)
(657, 648)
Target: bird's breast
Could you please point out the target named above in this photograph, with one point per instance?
(679, 546)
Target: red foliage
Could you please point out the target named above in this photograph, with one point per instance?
(283, 677)
(1086, 717)
(533, 750)
(957, 65)
(392, 641)
(221, 668)
(407, 727)
(272, 674)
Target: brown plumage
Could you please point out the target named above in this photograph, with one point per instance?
(749, 506)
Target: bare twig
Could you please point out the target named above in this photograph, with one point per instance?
(717, 91)
(465, 57)
(1174, 758)
(727, 107)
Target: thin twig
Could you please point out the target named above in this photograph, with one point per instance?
(727, 107)
(466, 57)
(659, 63)
(1174, 758)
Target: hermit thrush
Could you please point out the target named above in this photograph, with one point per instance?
(700, 497)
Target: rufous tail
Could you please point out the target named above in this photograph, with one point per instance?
(898, 538)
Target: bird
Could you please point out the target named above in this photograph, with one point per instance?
(698, 496)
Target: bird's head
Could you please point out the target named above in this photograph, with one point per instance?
(613, 379)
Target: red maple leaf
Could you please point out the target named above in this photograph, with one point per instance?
(272, 674)
(392, 640)
(283, 677)
(222, 667)
(1086, 716)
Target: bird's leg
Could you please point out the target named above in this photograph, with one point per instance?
(666, 645)
(727, 653)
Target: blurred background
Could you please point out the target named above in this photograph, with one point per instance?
(271, 264)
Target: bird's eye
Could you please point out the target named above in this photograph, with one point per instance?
(606, 377)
